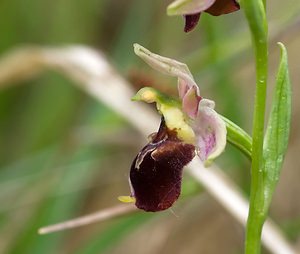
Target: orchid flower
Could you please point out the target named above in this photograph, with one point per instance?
(189, 127)
(191, 9)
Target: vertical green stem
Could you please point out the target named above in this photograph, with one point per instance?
(256, 16)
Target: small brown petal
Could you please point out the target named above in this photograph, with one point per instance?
(191, 21)
(223, 7)
(156, 172)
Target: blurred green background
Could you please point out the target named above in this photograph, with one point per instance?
(63, 154)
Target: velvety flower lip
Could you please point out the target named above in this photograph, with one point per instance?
(156, 172)
(191, 21)
(221, 7)
(191, 9)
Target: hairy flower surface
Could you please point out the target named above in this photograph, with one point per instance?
(189, 126)
(156, 172)
(191, 9)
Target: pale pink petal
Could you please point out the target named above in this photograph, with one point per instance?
(166, 66)
(187, 88)
(183, 88)
(190, 102)
(185, 7)
(210, 131)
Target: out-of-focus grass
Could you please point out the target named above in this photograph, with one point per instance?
(53, 207)
(62, 154)
(113, 234)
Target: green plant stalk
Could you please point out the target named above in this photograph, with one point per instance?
(256, 17)
(238, 137)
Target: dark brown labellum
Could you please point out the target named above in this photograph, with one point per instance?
(218, 8)
(191, 21)
(223, 7)
(156, 172)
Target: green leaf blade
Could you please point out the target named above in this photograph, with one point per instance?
(278, 128)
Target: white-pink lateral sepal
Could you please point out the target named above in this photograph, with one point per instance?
(210, 131)
(188, 7)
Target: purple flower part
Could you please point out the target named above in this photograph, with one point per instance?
(210, 131)
(156, 172)
(215, 8)
(190, 102)
(183, 88)
(189, 93)
(223, 7)
(191, 21)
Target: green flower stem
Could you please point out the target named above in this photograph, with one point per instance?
(256, 17)
(265, 4)
(238, 137)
